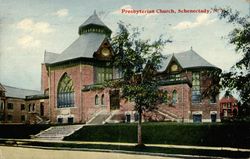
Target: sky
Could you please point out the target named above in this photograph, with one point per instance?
(29, 27)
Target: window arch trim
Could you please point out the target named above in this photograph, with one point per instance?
(65, 92)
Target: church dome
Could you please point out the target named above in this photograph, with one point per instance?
(94, 25)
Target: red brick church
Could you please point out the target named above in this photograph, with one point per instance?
(73, 91)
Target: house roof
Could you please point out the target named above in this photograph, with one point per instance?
(49, 57)
(84, 46)
(92, 33)
(228, 99)
(19, 92)
(187, 59)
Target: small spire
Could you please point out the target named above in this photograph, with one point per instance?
(95, 12)
(191, 47)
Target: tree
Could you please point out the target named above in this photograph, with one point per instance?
(138, 61)
(238, 77)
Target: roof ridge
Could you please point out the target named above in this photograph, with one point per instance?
(20, 88)
(50, 52)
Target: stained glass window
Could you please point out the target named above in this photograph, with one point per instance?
(65, 92)
(103, 74)
(196, 94)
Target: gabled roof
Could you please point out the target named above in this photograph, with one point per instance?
(19, 92)
(228, 99)
(187, 59)
(83, 47)
(49, 57)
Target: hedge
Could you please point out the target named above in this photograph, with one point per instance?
(20, 131)
(226, 135)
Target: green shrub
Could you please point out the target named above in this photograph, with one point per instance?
(20, 131)
(229, 135)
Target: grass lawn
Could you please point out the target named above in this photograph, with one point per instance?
(219, 134)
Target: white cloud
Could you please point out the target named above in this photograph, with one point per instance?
(28, 41)
(34, 27)
(62, 13)
(201, 20)
(122, 7)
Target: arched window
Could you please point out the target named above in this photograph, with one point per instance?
(102, 99)
(175, 96)
(96, 100)
(65, 92)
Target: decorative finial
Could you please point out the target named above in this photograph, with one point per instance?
(95, 12)
(191, 48)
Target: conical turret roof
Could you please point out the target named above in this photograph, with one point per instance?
(94, 24)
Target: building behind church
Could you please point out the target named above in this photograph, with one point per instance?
(73, 90)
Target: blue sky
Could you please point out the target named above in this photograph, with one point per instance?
(29, 27)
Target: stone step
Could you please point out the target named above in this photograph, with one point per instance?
(99, 118)
(170, 116)
(57, 132)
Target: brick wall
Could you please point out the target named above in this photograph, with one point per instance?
(16, 112)
(54, 77)
(44, 77)
(84, 106)
(182, 106)
(90, 109)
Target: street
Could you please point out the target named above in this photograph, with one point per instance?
(33, 153)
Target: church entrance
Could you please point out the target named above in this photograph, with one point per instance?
(114, 99)
(70, 120)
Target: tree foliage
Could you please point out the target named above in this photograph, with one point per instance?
(238, 77)
(138, 61)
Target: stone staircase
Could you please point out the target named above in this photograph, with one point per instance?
(116, 116)
(57, 132)
(35, 118)
(168, 115)
(99, 118)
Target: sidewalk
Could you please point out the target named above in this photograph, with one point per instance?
(132, 144)
(163, 150)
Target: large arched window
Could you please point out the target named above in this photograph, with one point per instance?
(65, 92)
(175, 96)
